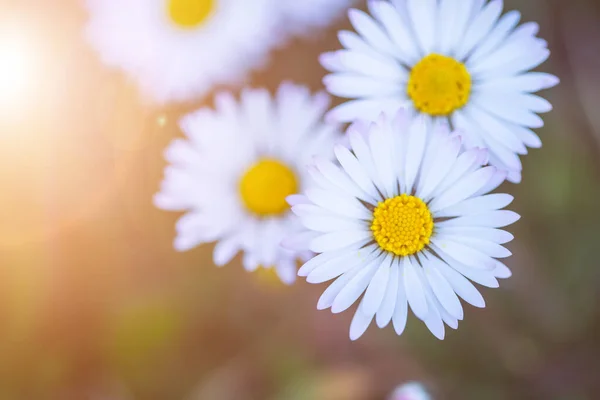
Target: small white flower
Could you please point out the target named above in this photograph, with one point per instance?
(236, 168)
(301, 18)
(457, 60)
(180, 49)
(410, 391)
(406, 221)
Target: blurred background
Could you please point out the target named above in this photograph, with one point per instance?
(95, 304)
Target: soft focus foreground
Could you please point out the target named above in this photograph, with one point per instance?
(95, 304)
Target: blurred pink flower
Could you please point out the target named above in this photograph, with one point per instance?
(410, 391)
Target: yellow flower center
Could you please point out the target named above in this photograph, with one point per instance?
(190, 13)
(439, 85)
(265, 186)
(402, 225)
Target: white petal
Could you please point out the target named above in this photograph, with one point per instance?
(423, 13)
(502, 29)
(463, 253)
(340, 178)
(417, 141)
(401, 310)
(359, 86)
(377, 287)
(398, 31)
(357, 285)
(443, 291)
(494, 235)
(463, 287)
(388, 304)
(353, 167)
(286, 270)
(225, 250)
(339, 240)
(359, 324)
(332, 291)
(502, 271)
(340, 265)
(372, 32)
(337, 203)
(463, 189)
(476, 205)
(434, 321)
(319, 260)
(365, 109)
(494, 219)
(440, 167)
(375, 67)
(479, 28)
(415, 293)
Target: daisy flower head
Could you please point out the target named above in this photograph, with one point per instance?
(301, 18)
(455, 60)
(234, 171)
(179, 49)
(406, 220)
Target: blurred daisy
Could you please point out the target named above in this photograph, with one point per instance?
(236, 168)
(180, 49)
(301, 18)
(406, 221)
(456, 60)
(410, 391)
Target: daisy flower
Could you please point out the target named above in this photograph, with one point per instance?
(406, 220)
(410, 391)
(180, 49)
(301, 18)
(236, 168)
(455, 60)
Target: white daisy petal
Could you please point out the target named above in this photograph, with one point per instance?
(479, 28)
(402, 250)
(496, 36)
(434, 320)
(366, 65)
(423, 13)
(286, 270)
(502, 271)
(494, 219)
(178, 55)
(352, 85)
(353, 168)
(377, 288)
(490, 234)
(372, 33)
(340, 265)
(457, 61)
(414, 151)
(338, 240)
(415, 293)
(476, 205)
(443, 291)
(463, 189)
(388, 304)
(401, 311)
(329, 295)
(357, 285)
(235, 180)
(395, 27)
(469, 256)
(359, 324)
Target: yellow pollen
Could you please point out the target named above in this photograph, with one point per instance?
(402, 225)
(190, 13)
(265, 186)
(439, 85)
